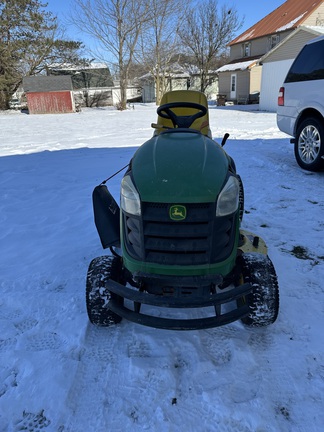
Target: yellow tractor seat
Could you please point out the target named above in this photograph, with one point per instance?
(201, 124)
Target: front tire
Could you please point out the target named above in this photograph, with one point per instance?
(100, 270)
(241, 198)
(258, 270)
(309, 144)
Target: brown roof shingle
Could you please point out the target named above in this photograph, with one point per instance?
(289, 15)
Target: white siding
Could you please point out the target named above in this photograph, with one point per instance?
(317, 17)
(273, 76)
(291, 47)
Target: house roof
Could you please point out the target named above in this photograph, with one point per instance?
(239, 64)
(177, 71)
(288, 16)
(40, 83)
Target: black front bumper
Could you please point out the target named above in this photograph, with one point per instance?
(216, 300)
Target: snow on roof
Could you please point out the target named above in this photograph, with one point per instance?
(177, 71)
(290, 24)
(70, 66)
(236, 66)
(245, 36)
(317, 29)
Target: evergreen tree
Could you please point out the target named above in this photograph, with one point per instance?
(28, 40)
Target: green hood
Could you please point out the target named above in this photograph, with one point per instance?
(179, 167)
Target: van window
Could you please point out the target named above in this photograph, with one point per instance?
(309, 64)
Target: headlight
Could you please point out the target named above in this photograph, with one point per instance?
(129, 197)
(228, 198)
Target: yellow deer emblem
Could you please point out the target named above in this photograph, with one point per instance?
(178, 212)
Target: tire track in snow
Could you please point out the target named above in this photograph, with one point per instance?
(279, 391)
(254, 381)
(118, 383)
(252, 374)
(136, 378)
(90, 393)
(266, 378)
(197, 380)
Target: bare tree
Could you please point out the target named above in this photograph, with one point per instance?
(205, 32)
(159, 40)
(116, 26)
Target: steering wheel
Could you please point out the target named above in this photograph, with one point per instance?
(166, 112)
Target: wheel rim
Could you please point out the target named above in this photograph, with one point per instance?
(309, 144)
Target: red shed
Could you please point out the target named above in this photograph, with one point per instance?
(49, 94)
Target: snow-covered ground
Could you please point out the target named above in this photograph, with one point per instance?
(58, 373)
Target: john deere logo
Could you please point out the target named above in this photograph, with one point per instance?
(178, 212)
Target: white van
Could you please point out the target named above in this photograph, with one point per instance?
(301, 105)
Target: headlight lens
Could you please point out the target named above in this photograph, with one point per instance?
(228, 199)
(129, 197)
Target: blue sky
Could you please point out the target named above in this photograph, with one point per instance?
(252, 11)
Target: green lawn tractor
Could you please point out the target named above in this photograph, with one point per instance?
(178, 258)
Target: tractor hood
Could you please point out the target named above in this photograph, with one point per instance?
(179, 167)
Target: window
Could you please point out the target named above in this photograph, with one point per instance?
(246, 49)
(309, 64)
(233, 86)
(273, 41)
(233, 83)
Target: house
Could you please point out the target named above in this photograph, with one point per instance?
(133, 92)
(49, 94)
(276, 63)
(92, 83)
(178, 78)
(242, 76)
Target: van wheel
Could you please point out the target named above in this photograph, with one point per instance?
(309, 144)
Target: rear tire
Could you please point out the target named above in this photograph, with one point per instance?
(258, 270)
(309, 144)
(100, 270)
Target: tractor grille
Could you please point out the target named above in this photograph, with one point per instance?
(200, 238)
